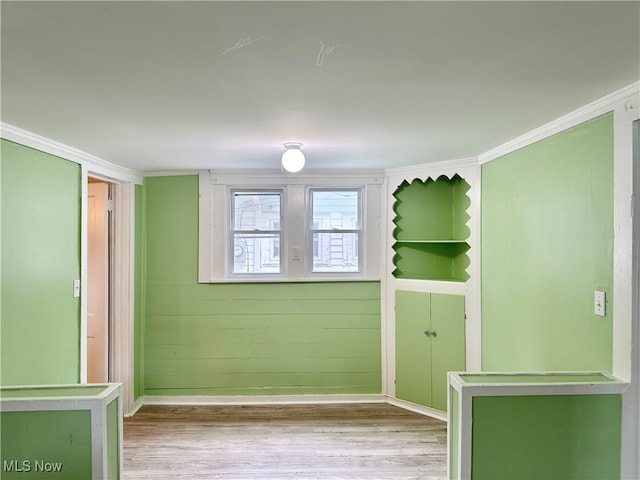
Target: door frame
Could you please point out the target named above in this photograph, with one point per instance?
(635, 289)
(122, 282)
(125, 180)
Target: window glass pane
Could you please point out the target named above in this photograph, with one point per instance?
(335, 209)
(256, 253)
(256, 210)
(335, 252)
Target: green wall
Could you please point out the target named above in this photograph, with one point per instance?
(40, 320)
(246, 339)
(548, 436)
(547, 244)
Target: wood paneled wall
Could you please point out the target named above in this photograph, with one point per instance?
(246, 339)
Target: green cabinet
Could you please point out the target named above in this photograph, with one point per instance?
(430, 232)
(430, 341)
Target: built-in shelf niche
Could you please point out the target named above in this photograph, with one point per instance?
(430, 234)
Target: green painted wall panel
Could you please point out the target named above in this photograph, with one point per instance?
(246, 339)
(113, 441)
(553, 437)
(53, 437)
(270, 335)
(453, 431)
(433, 209)
(300, 383)
(547, 244)
(432, 261)
(171, 231)
(40, 320)
(239, 347)
(230, 306)
(345, 321)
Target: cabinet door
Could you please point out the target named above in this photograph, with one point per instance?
(448, 345)
(413, 347)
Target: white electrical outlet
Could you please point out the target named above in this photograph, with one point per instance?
(599, 301)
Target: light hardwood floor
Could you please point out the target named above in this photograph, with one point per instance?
(363, 441)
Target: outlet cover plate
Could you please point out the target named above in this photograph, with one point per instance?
(599, 300)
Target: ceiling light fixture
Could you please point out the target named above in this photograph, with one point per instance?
(292, 158)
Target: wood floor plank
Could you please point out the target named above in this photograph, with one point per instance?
(321, 442)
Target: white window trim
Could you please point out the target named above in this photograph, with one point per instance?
(214, 211)
(232, 231)
(360, 231)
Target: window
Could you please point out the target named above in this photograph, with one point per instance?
(265, 228)
(255, 231)
(335, 230)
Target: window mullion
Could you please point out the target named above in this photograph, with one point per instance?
(296, 257)
(335, 230)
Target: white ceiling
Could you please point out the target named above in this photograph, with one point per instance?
(364, 85)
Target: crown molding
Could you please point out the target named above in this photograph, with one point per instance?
(170, 173)
(623, 98)
(92, 163)
(437, 166)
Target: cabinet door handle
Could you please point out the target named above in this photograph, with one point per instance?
(433, 333)
(427, 333)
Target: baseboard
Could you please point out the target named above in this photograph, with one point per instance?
(414, 407)
(137, 405)
(284, 400)
(259, 399)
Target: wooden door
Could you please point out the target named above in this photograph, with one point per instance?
(448, 344)
(97, 283)
(413, 347)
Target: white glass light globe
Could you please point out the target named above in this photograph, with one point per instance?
(292, 158)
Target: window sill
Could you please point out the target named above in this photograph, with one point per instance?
(315, 279)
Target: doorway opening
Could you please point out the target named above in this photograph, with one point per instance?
(100, 286)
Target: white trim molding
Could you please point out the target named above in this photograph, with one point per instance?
(137, 405)
(424, 170)
(469, 170)
(634, 413)
(417, 408)
(260, 399)
(92, 163)
(625, 324)
(214, 225)
(628, 96)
